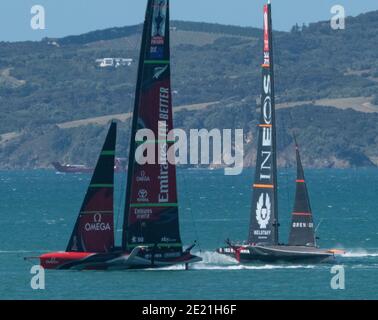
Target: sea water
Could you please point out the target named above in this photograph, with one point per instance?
(38, 210)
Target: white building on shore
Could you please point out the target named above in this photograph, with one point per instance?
(113, 62)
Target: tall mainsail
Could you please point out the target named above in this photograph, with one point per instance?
(264, 210)
(302, 226)
(151, 210)
(94, 227)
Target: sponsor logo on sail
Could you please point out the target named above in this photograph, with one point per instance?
(164, 184)
(168, 240)
(164, 104)
(97, 224)
(158, 29)
(303, 225)
(158, 71)
(267, 133)
(157, 52)
(266, 59)
(137, 239)
(142, 195)
(266, 29)
(142, 177)
(266, 38)
(97, 217)
(159, 22)
(143, 213)
(263, 210)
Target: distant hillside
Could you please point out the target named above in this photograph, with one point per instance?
(46, 83)
(123, 32)
(329, 138)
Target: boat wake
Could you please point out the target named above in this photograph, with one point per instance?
(359, 253)
(198, 266)
(214, 258)
(216, 261)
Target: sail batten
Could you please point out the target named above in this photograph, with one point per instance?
(94, 227)
(151, 210)
(264, 211)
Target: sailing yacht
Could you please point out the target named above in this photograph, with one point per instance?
(150, 233)
(263, 240)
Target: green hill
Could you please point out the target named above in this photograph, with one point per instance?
(53, 81)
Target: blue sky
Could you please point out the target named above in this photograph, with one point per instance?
(66, 17)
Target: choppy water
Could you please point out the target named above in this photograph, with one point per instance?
(38, 210)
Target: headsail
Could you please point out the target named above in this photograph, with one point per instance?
(151, 210)
(94, 228)
(264, 216)
(302, 226)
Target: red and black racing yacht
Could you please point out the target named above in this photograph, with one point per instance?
(151, 235)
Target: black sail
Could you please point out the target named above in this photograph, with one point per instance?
(94, 227)
(264, 216)
(302, 226)
(151, 208)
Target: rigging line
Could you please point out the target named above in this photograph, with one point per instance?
(317, 227)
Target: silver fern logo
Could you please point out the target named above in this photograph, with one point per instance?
(158, 71)
(263, 210)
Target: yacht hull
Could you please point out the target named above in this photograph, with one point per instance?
(136, 259)
(281, 253)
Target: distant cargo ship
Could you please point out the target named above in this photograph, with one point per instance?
(119, 166)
